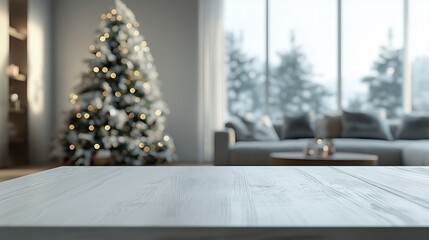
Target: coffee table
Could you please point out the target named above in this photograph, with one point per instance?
(338, 159)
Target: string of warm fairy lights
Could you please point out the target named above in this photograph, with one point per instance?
(122, 71)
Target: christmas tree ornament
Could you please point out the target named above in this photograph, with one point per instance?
(119, 115)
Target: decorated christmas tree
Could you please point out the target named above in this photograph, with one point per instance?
(118, 114)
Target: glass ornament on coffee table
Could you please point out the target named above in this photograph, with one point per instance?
(320, 147)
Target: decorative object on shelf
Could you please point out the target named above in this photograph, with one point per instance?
(320, 147)
(13, 72)
(17, 34)
(15, 102)
(118, 115)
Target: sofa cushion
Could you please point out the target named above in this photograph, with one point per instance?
(389, 153)
(332, 126)
(279, 130)
(414, 128)
(242, 133)
(364, 125)
(261, 129)
(258, 153)
(297, 127)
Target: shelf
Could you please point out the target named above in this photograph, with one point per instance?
(19, 78)
(17, 112)
(16, 141)
(17, 72)
(16, 34)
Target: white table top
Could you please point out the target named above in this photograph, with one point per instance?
(217, 202)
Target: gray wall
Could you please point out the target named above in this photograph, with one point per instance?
(40, 88)
(4, 81)
(171, 28)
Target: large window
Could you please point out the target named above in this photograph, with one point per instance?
(293, 56)
(419, 54)
(372, 34)
(303, 56)
(245, 50)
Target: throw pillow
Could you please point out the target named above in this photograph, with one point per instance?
(364, 125)
(333, 126)
(414, 128)
(298, 127)
(242, 132)
(247, 129)
(262, 129)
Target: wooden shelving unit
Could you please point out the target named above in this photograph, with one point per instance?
(18, 115)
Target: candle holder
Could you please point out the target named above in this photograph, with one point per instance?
(320, 147)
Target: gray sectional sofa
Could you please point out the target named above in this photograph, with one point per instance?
(391, 153)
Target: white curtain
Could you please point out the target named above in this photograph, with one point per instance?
(212, 89)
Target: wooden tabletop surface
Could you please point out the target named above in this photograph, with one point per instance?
(217, 203)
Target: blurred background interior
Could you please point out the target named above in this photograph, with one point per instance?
(215, 59)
